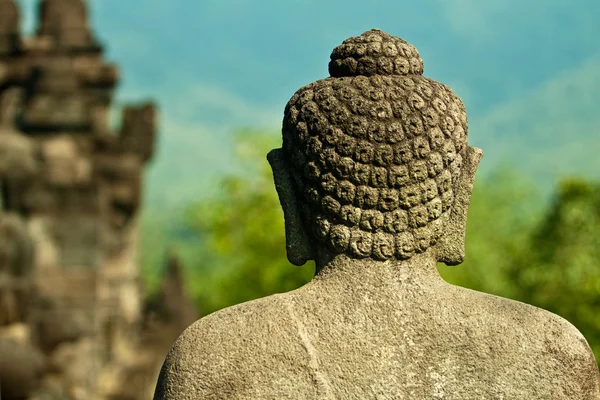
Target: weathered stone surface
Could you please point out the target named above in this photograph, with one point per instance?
(21, 363)
(79, 240)
(9, 18)
(9, 26)
(57, 102)
(19, 155)
(65, 21)
(171, 305)
(375, 177)
(21, 367)
(74, 186)
(16, 264)
(139, 127)
(66, 164)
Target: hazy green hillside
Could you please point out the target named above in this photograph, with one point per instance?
(553, 131)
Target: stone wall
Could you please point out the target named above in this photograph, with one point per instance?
(74, 189)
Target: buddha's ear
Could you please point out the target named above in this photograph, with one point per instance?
(451, 247)
(299, 247)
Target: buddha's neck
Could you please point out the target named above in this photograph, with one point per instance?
(420, 269)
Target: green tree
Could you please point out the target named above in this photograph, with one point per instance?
(242, 255)
(503, 213)
(561, 272)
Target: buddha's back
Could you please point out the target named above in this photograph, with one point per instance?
(374, 177)
(441, 341)
(413, 338)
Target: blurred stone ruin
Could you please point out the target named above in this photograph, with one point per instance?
(74, 323)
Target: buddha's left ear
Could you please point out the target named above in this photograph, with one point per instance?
(451, 247)
(299, 246)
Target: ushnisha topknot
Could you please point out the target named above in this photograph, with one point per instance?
(375, 151)
(375, 53)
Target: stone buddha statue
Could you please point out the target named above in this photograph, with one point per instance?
(375, 177)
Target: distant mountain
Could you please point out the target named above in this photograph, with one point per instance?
(552, 132)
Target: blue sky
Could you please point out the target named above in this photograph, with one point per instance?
(527, 70)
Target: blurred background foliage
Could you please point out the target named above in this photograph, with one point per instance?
(521, 244)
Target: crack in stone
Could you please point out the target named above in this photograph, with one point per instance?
(322, 381)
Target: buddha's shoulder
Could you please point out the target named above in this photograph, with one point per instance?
(235, 352)
(528, 335)
(515, 316)
(235, 325)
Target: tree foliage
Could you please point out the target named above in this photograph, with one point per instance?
(504, 209)
(243, 251)
(561, 271)
(546, 255)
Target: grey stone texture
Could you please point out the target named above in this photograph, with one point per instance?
(9, 26)
(375, 177)
(66, 22)
(72, 318)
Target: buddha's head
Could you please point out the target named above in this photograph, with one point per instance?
(375, 161)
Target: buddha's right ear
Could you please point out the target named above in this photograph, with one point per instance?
(451, 248)
(299, 246)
